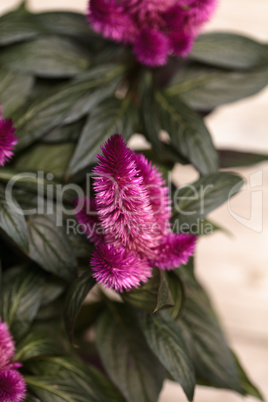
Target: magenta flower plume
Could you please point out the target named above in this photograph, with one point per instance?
(118, 268)
(122, 202)
(155, 28)
(88, 218)
(151, 47)
(7, 346)
(134, 210)
(109, 18)
(175, 249)
(8, 140)
(12, 386)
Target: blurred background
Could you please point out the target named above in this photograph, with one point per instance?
(233, 268)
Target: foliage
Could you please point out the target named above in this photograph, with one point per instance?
(70, 93)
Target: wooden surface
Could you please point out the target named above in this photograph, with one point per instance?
(233, 269)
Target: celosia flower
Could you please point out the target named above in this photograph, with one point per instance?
(154, 28)
(12, 384)
(133, 207)
(7, 139)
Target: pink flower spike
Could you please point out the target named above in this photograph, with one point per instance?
(175, 249)
(151, 47)
(122, 201)
(110, 19)
(87, 217)
(157, 191)
(174, 18)
(119, 269)
(181, 43)
(12, 386)
(7, 346)
(8, 140)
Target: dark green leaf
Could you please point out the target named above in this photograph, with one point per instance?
(152, 296)
(17, 26)
(97, 387)
(211, 355)
(248, 387)
(47, 158)
(67, 104)
(229, 158)
(30, 398)
(14, 90)
(53, 57)
(120, 117)
(50, 248)
(12, 220)
(164, 297)
(53, 288)
(194, 201)
(188, 134)
(177, 291)
(20, 298)
(229, 50)
(64, 23)
(36, 344)
(164, 338)
(68, 133)
(204, 88)
(127, 358)
(74, 299)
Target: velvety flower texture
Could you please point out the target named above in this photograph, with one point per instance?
(12, 384)
(7, 139)
(155, 28)
(133, 213)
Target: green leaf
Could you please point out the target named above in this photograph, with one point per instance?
(20, 298)
(55, 389)
(176, 289)
(75, 296)
(120, 117)
(14, 89)
(30, 398)
(152, 296)
(229, 51)
(126, 357)
(34, 345)
(210, 353)
(188, 134)
(67, 104)
(50, 248)
(204, 88)
(97, 387)
(16, 26)
(229, 158)
(64, 23)
(12, 221)
(248, 387)
(68, 133)
(194, 201)
(164, 297)
(49, 57)
(164, 338)
(46, 158)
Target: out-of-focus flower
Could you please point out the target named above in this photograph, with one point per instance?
(8, 140)
(12, 384)
(155, 28)
(133, 208)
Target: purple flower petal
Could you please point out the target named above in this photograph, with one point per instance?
(122, 202)
(7, 345)
(12, 386)
(87, 217)
(119, 269)
(8, 140)
(151, 47)
(175, 249)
